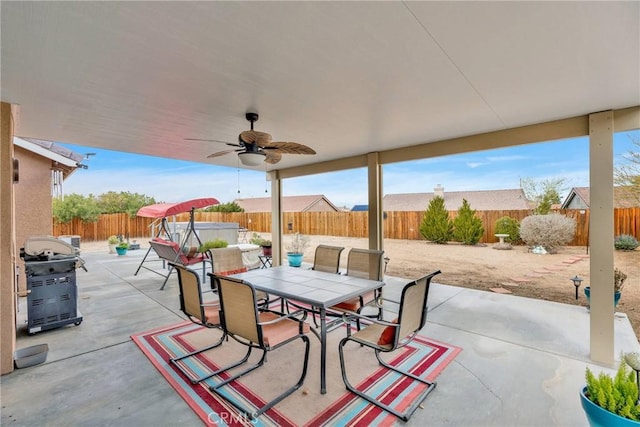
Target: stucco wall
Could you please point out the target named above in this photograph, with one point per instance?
(33, 201)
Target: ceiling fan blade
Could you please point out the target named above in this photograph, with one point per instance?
(272, 158)
(288, 148)
(255, 137)
(214, 140)
(221, 153)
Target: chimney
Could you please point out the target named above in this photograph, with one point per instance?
(439, 191)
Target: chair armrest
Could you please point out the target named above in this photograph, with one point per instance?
(347, 314)
(285, 316)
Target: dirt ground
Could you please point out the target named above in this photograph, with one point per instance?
(517, 271)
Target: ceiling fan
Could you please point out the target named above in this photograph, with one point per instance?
(255, 147)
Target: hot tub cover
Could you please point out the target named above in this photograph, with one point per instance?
(162, 210)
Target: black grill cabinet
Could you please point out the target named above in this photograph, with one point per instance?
(52, 293)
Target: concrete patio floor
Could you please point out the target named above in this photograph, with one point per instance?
(522, 361)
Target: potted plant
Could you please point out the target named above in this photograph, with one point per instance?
(257, 239)
(113, 241)
(295, 249)
(613, 402)
(618, 283)
(122, 248)
(266, 247)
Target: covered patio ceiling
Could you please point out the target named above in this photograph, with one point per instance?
(346, 78)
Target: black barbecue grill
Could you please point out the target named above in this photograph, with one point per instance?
(52, 294)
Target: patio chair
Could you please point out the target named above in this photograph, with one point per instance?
(366, 264)
(227, 261)
(327, 258)
(199, 312)
(386, 337)
(263, 330)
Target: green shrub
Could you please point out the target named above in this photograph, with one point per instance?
(510, 226)
(618, 395)
(549, 231)
(436, 225)
(467, 228)
(625, 242)
(212, 244)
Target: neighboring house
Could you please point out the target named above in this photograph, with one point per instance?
(360, 208)
(485, 200)
(578, 198)
(313, 203)
(42, 168)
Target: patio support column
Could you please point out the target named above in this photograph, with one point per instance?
(7, 246)
(376, 230)
(601, 128)
(276, 218)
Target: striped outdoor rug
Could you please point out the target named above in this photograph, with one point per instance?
(305, 407)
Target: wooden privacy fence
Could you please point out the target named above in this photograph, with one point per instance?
(397, 224)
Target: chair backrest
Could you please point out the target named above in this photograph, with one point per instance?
(327, 258)
(413, 306)
(365, 263)
(238, 309)
(190, 292)
(227, 261)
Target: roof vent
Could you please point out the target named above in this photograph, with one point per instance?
(439, 191)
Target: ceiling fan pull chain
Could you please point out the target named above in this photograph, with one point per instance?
(238, 168)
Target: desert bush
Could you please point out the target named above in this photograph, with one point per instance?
(549, 231)
(625, 242)
(467, 228)
(510, 226)
(436, 225)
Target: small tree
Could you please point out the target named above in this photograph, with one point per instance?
(436, 225)
(628, 173)
(543, 193)
(225, 207)
(549, 231)
(75, 206)
(467, 227)
(510, 226)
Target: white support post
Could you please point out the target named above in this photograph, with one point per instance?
(601, 129)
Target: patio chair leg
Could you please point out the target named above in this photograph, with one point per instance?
(404, 416)
(275, 401)
(193, 380)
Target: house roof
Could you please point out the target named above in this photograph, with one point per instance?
(289, 203)
(360, 208)
(62, 158)
(484, 200)
(623, 197)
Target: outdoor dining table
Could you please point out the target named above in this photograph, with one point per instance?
(316, 288)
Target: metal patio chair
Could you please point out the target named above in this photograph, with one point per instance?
(384, 337)
(202, 313)
(262, 330)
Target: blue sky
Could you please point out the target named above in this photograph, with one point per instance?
(175, 180)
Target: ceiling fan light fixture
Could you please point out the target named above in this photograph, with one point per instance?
(252, 158)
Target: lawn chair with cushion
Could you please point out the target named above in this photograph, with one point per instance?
(170, 251)
(386, 337)
(202, 313)
(263, 330)
(366, 264)
(227, 261)
(327, 259)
